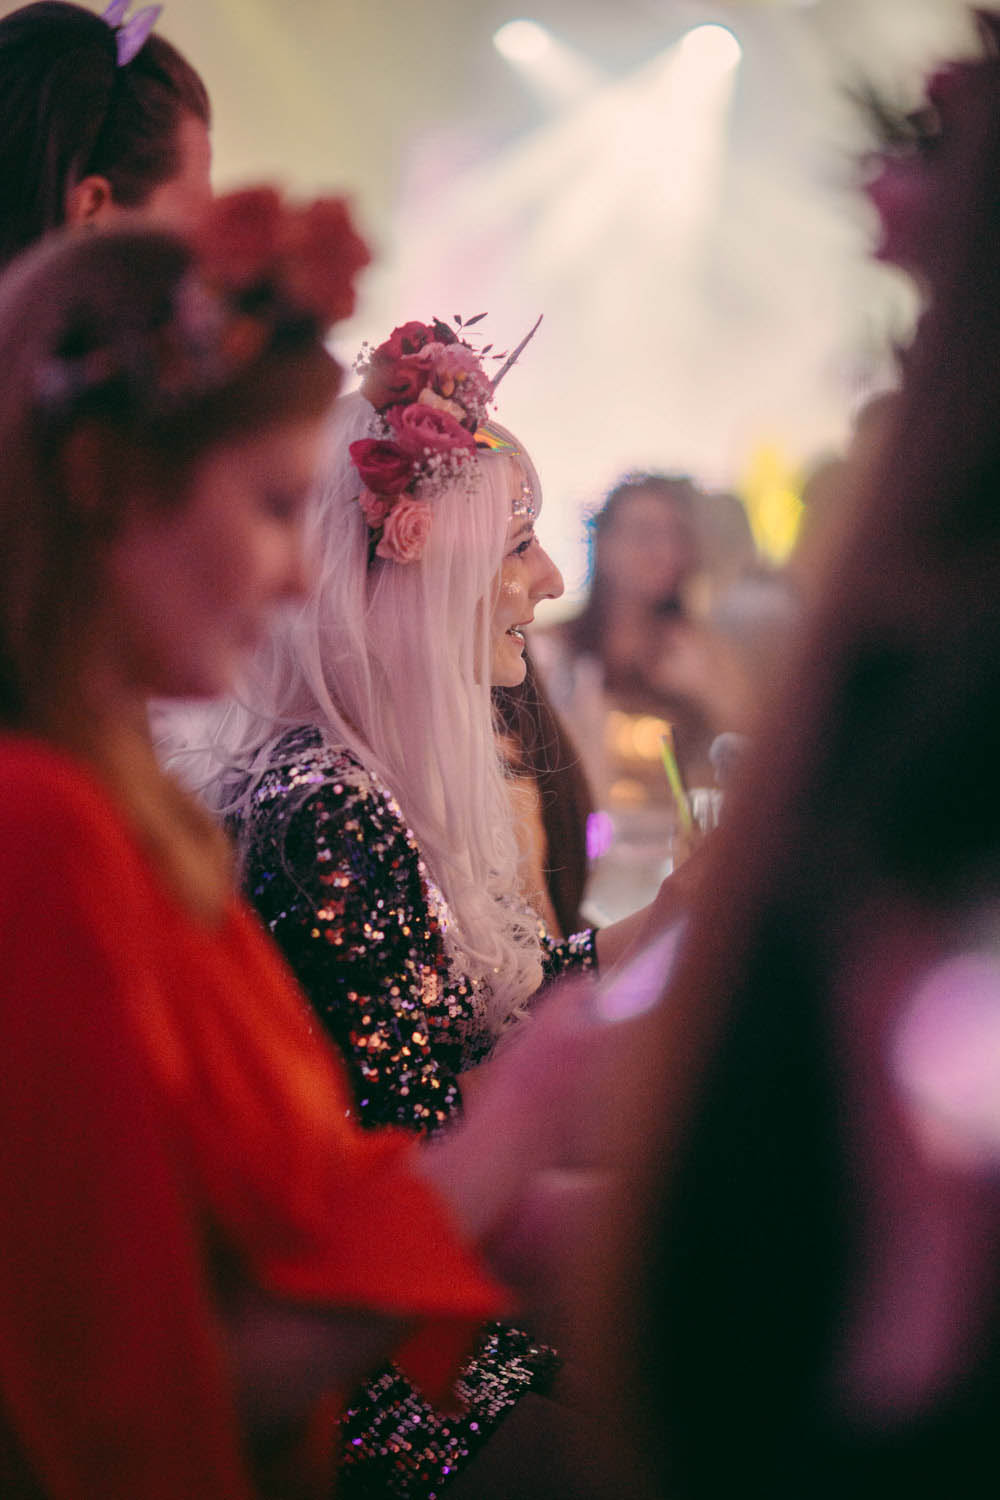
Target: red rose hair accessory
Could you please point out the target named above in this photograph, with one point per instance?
(257, 250)
(431, 395)
(266, 275)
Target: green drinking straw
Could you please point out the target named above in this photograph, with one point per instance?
(676, 784)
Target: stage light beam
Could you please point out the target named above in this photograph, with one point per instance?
(522, 41)
(558, 73)
(712, 51)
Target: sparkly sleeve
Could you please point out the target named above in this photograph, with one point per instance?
(337, 880)
(573, 955)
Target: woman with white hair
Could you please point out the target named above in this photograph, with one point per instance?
(361, 772)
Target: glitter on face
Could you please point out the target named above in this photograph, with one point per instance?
(523, 503)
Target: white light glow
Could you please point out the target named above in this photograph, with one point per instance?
(713, 50)
(662, 286)
(558, 73)
(522, 41)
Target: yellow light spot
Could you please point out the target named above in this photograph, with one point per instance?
(771, 492)
(646, 734)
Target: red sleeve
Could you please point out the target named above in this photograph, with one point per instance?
(159, 1077)
(325, 1212)
(110, 1368)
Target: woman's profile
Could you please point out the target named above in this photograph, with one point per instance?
(362, 773)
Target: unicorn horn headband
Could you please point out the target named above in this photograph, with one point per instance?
(515, 355)
(130, 36)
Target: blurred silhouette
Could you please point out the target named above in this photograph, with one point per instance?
(682, 631)
(816, 1255)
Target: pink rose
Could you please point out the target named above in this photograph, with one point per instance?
(393, 382)
(420, 430)
(375, 507)
(384, 467)
(407, 528)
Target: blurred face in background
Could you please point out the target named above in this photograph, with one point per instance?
(648, 548)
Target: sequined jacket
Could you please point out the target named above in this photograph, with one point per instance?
(338, 878)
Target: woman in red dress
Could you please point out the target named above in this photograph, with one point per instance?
(199, 1249)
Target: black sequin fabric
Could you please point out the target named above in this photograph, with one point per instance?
(339, 880)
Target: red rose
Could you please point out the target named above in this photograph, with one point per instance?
(406, 530)
(321, 254)
(384, 467)
(420, 430)
(393, 382)
(239, 237)
(408, 338)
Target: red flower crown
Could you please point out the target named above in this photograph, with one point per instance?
(431, 392)
(431, 395)
(265, 272)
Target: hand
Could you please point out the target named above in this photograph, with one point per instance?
(692, 854)
(538, 1247)
(700, 665)
(524, 1116)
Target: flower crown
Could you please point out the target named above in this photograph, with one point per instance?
(431, 395)
(266, 274)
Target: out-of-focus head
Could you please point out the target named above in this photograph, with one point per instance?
(160, 405)
(917, 185)
(645, 540)
(882, 755)
(85, 136)
(725, 539)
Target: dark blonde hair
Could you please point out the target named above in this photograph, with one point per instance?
(67, 110)
(67, 297)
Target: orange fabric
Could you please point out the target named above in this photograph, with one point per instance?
(163, 1089)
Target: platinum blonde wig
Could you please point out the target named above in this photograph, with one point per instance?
(393, 661)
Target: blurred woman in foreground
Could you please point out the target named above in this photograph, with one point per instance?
(820, 1246)
(198, 1245)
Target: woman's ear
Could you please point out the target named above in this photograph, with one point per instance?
(90, 201)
